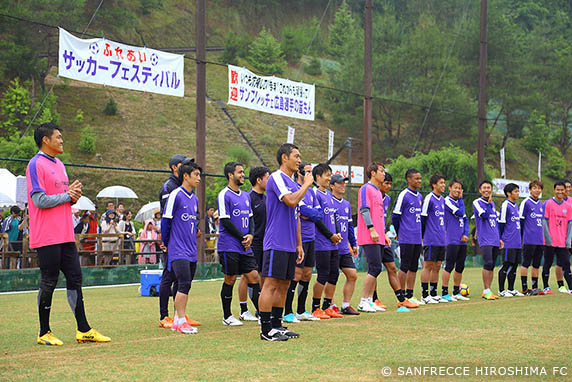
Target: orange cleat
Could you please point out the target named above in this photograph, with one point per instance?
(378, 303)
(319, 313)
(192, 322)
(332, 313)
(407, 304)
(166, 323)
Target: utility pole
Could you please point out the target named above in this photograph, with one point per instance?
(482, 114)
(349, 188)
(367, 55)
(200, 134)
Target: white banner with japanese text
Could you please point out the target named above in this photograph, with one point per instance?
(105, 62)
(270, 94)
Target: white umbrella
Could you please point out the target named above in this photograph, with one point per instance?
(8, 182)
(147, 211)
(117, 192)
(84, 204)
(5, 200)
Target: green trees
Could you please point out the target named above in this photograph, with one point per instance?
(266, 56)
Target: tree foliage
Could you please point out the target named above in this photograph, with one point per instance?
(266, 56)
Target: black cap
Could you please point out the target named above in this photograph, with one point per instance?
(337, 178)
(176, 159)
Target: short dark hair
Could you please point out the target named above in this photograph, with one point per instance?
(120, 204)
(388, 177)
(320, 169)
(110, 201)
(15, 210)
(257, 173)
(187, 167)
(44, 130)
(373, 167)
(303, 164)
(560, 183)
(230, 167)
(127, 212)
(435, 179)
(485, 182)
(536, 183)
(410, 172)
(566, 180)
(286, 148)
(510, 188)
(455, 180)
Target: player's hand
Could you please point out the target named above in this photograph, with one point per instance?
(501, 246)
(308, 179)
(464, 239)
(387, 241)
(374, 234)
(355, 252)
(335, 238)
(300, 252)
(247, 241)
(199, 233)
(163, 247)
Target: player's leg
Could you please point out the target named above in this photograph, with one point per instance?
(450, 261)
(349, 270)
(458, 274)
(304, 283)
(527, 254)
(49, 260)
(330, 287)
(323, 268)
(434, 279)
(230, 267)
(487, 273)
(183, 273)
(164, 293)
(286, 265)
(412, 269)
(503, 273)
(248, 268)
(536, 260)
(564, 259)
(548, 260)
(298, 272)
(425, 275)
(373, 257)
(243, 295)
(515, 260)
(405, 251)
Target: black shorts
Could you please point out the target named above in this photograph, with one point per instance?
(490, 254)
(562, 258)
(455, 257)
(532, 254)
(279, 264)
(512, 255)
(258, 253)
(373, 257)
(234, 263)
(309, 255)
(60, 257)
(434, 253)
(409, 257)
(346, 261)
(387, 255)
(184, 271)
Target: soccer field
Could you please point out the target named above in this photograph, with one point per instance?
(523, 335)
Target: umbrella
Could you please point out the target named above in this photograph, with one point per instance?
(8, 182)
(117, 192)
(5, 200)
(83, 203)
(147, 211)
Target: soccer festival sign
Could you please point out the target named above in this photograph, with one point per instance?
(270, 94)
(105, 62)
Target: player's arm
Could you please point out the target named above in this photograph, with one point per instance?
(397, 211)
(292, 199)
(457, 211)
(351, 233)
(312, 214)
(502, 220)
(167, 220)
(231, 228)
(465, 227)
(425, 213)
(299, 248)
(323, 229)
(546, 230)
(481, 212)
(568, 233)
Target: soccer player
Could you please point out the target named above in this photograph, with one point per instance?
(310, 213)
(179, 235)
(557, 226)
(531, 215)
(558, 268)
(258, 177)
(434, 239)
(282, 241)
(347, 249)
(406, 219)
(235, 238)
(50, 196)
(457, 230)
(486, 221)
(327, 240)
(371, 232)
(510, 230)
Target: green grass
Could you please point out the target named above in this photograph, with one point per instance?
(529, 331)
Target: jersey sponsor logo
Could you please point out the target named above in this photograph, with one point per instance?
(412, 210)
(439, 213)
(329, 210)
(514, 218)
(237, 212)
(186, 217)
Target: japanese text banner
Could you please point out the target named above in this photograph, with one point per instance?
(270, 94)
(106, 62)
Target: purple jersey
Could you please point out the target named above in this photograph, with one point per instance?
(386, 203)
(236, 207)
(455, 226)
(308, 227)
(181, 209)
(344, 216)
(326, 202)
(434, 212)
(281, 220)
(408, 205)
(531, 214)
(510, 217)
(486, 222)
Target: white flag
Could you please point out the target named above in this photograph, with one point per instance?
(330, 144)
(502, 164)
(291, 132)
(539, 164)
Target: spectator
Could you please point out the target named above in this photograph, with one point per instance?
(93, 224)
(13, 226)
(128, 229)
(83, 225)
(110, 207)
(120, 211)
(211, 227)
(109, 225)
(157, 220)
(76, 216)
(147, 249)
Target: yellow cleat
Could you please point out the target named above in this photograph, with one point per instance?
(49, 339)
(91, 336)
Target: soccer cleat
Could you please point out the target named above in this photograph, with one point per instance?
(489, 296)
(166, 323)
(439, 299)
(349, 311)
(416, 302)
(563, 289)
(332, 313)
(335, 308)
(247, 316)
(366, 307)
(319, 313)
(454, 298)
(231, 321)
(407, 304)
(273, 335)
(515, 293)
(288, 333)
(535, 292)
(91, 336)
(379, 304)
(447, 297)
(547, 291)
(505, 293)
(290, 318)
(306, 317)
(402, 309)
(184, 328)
(49, 339)
(429, 300)
(192, 322)
(460, 297)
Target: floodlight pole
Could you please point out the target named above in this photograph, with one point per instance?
(482, 113)
(200, 135)
(367, 79)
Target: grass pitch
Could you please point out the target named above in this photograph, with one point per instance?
(527, 336)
